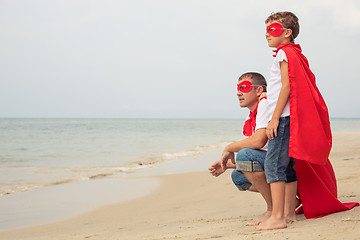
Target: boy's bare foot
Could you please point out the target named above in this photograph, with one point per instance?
(291, 218)
(259, 219)
(272, 223)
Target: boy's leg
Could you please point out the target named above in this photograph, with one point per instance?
(276, 164)
(290, 201)
(277, 219)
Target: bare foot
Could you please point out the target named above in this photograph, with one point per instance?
(272, 223)
(259, 219)
(290, 218)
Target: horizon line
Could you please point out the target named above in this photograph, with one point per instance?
(157, 118)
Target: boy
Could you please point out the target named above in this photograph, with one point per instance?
(299, 128)
(251, 151)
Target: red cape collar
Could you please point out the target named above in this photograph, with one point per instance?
(296, 46)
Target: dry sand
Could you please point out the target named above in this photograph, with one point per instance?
(199, 206)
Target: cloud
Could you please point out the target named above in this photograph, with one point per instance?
(144, 56)
(345, 14)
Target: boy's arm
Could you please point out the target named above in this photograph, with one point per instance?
(284, 94)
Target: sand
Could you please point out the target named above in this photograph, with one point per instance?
(200, 206)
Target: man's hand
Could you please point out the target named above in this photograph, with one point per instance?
(225, 157)
(220, 166)
(216, 169)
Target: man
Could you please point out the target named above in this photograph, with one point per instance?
(251, 151)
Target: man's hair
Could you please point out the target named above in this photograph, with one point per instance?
(257, 79)
(287, 20)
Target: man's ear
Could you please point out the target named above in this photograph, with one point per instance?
(259, 90)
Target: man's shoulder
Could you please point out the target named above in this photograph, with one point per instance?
(263, 104)
(262, 117)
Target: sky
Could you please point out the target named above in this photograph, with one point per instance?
(163, 58)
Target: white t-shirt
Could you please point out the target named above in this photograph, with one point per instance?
(274, 85)
(262, 118)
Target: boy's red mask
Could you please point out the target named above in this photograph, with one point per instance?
(275, 29)
(244, 86)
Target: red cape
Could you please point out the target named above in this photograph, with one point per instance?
(310, 139)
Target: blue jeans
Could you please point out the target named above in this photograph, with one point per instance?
(278, 165)
(247, 160)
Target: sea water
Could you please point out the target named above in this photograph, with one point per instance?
(36, 153)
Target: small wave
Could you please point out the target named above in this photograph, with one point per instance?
(195, 151)
(60, 182)
(7, 190)
(47, 177)
(101, 175)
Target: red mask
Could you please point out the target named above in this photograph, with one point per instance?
(244, 86)
(275, 29)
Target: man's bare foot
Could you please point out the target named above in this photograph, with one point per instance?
(259, 219)
(272, 223)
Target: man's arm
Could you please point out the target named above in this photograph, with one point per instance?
(256, 141)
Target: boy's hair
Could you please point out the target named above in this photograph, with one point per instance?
(287, 20)
(256, 78)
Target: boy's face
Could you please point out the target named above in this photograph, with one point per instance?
(276, 34)
(247, 94)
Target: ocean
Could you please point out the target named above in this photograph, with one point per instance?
(37, 153)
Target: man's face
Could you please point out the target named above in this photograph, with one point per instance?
(247, 93)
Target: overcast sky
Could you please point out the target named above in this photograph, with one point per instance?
(163, 58)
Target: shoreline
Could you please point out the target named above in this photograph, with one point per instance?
(196, 205)
(64, 201)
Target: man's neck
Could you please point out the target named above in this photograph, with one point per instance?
(252, 107)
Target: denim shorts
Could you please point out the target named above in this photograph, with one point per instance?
(278, 165)
(247, 160)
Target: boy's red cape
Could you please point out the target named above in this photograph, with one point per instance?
(310, 139)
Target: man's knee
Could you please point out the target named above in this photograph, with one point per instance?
(244, 154)
(250, 160)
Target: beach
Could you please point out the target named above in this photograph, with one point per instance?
(112, 112)
(196, 205)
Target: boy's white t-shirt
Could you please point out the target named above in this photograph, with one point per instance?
(262, 118)
(274, 85)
